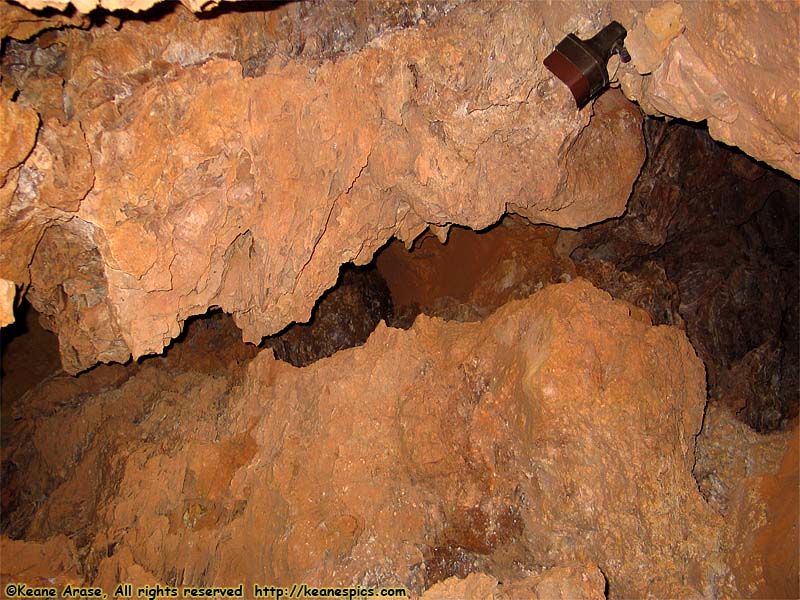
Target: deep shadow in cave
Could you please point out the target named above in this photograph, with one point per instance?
(710, 239)
(468, 275)
(28, 354)
(342, 318)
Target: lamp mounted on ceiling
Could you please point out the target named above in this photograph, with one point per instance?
(582, 64)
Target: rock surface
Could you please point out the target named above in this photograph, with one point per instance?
(209, 168)
(725, 62)
(8, 293)
(404, 128)
(709, 243)
(18, 23)
(574, 582)
(155, 169)
(753, 480)
(411, 121)
(558, 431)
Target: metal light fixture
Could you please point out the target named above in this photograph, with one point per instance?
(582, 64)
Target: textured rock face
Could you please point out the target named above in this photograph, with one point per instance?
(753, 480)
(205, 171)
(238, 161)
(728, 63)
(709, 243)
(560, 431)
(20, 24)
(646, 286)
(207, 347)
(153, 170)
(577, 582)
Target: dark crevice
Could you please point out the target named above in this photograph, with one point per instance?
(28, 354)
(709, 242)
(342, 318)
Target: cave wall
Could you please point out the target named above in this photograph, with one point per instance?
(286, 175)
(237, 161)
(558, 432)
(562, 445)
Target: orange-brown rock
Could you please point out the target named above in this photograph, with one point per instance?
(753, 480)
(585, 582)
(211, 188)
(20, 23)
(430, 125)
(20, 229)
(8, 293)
(87, 6)
(156, 168)
(728, 63)
(559, 431)
(53, 563)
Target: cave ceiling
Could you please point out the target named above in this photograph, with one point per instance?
(155, 165)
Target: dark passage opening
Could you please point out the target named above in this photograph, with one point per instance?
(342, 318)
(28, 354)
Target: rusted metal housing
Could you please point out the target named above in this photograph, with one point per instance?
(581, 64)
